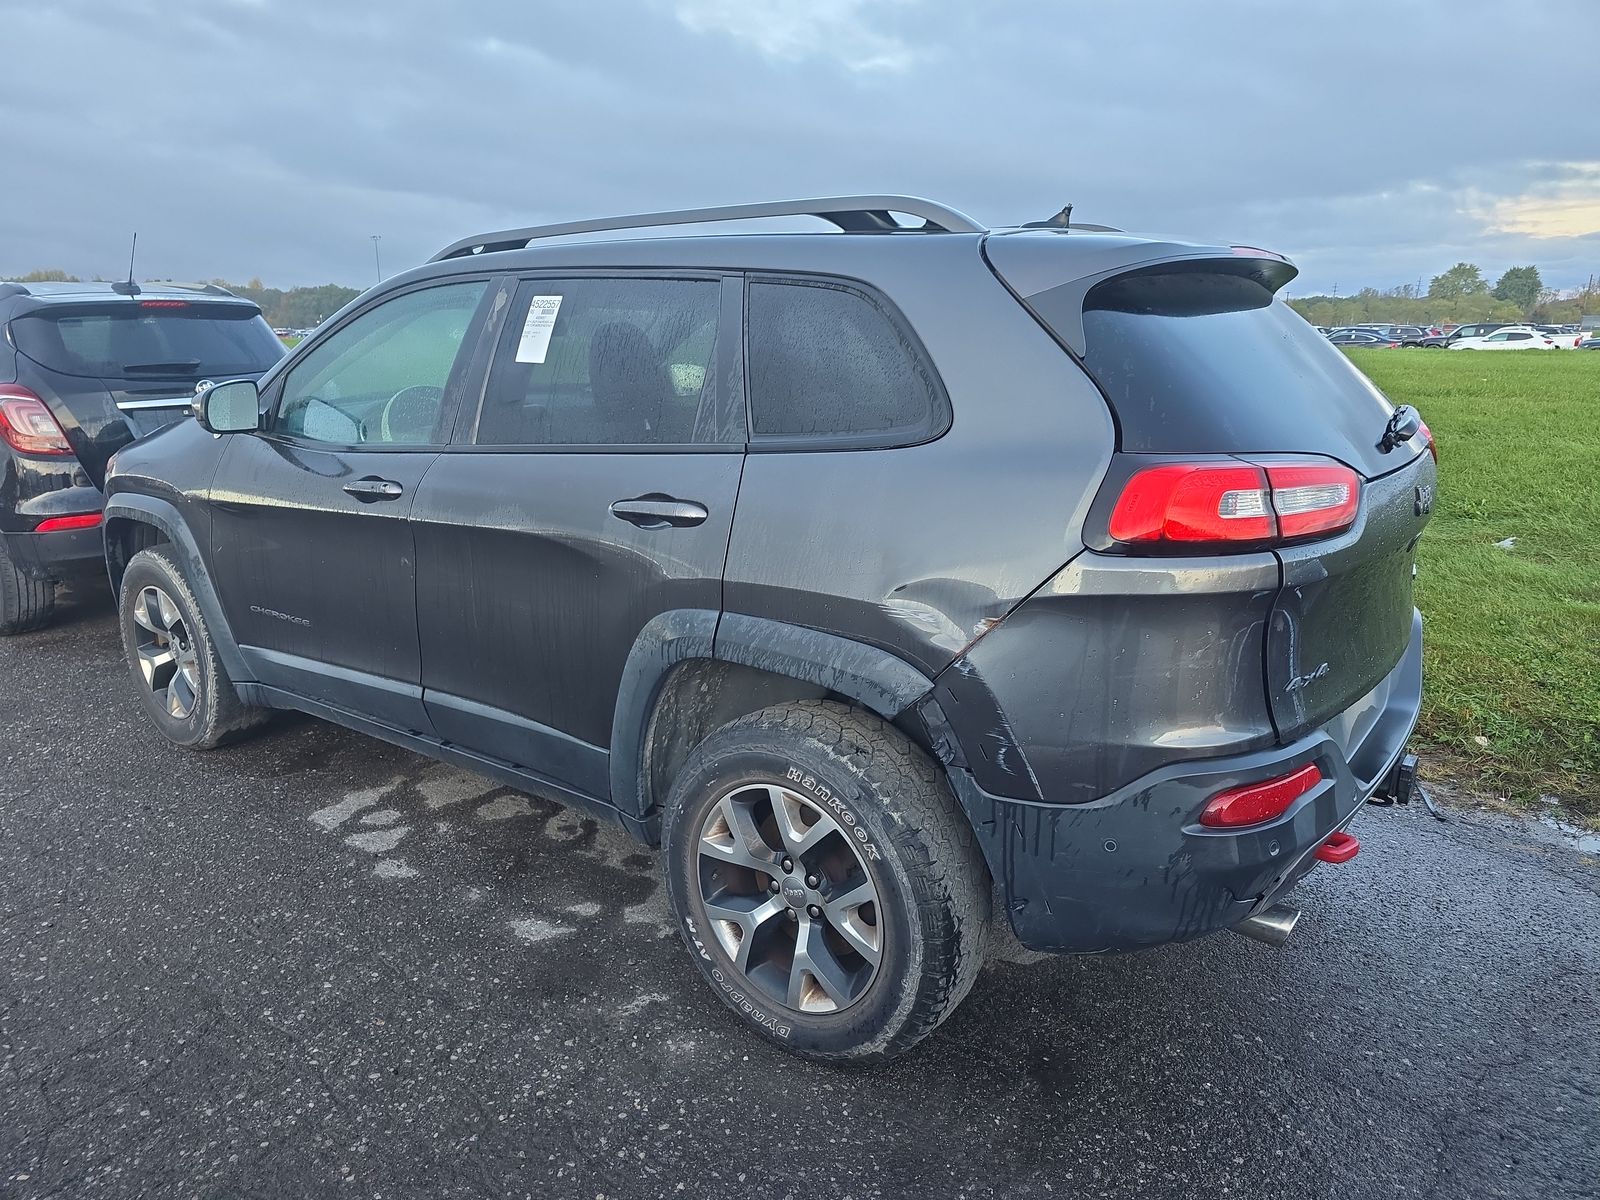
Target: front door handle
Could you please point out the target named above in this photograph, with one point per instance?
(657, 511)
(372, 488)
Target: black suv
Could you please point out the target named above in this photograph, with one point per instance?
(905, 584)
(84, 369)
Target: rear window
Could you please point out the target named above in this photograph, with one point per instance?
(128, 338)
(1202, 358)
(827, 364)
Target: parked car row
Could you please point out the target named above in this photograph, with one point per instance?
(898, 625)
(1483, 335)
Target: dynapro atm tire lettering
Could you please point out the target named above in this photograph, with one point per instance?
(754, 1012)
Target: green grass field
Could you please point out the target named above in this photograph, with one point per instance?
(1513, 636)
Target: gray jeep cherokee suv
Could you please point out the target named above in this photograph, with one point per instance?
(905, 584)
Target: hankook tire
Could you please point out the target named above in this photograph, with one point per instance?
(824, 881)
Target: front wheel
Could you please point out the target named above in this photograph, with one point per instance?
(172, 658)
(827, 886)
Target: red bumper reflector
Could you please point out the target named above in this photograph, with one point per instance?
(1258, 802)
(1340, 848)
(79, 521)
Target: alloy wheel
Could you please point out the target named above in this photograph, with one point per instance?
(166, 653)
(789, 899)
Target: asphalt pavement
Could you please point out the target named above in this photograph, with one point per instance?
(315, 965)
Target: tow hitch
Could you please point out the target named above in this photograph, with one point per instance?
(1400, 785)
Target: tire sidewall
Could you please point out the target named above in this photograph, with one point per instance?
(723, 763)
(147, 569)
(26, 603)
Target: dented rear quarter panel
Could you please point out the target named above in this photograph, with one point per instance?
(1119, 666)
(919, 550)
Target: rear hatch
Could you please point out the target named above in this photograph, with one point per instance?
(1199, 359)
(115, 370)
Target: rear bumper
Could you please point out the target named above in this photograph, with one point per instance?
(1135, 869)
(68, 554)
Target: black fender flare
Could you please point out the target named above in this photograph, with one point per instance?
(163, 515)
(870, 676)
(666, 640)
(874, 678)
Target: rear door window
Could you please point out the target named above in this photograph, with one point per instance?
(154, 337)
(829, 364)
(627, 361)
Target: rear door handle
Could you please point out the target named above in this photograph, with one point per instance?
(372, 488)
(657, 511)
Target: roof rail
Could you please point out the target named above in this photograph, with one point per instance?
(853, 214)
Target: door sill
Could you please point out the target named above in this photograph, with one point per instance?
(647, 831)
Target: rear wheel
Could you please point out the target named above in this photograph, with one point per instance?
(826, 885)
(172, 658)
(26, 603)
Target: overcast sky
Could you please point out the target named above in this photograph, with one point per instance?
(1374, 143)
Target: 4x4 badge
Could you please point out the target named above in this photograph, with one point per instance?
(1301, 682)
(1424, 504)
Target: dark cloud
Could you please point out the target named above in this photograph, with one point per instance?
(1375, 144)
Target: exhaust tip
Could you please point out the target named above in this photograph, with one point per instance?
(1271, 925)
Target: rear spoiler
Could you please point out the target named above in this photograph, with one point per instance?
(1031, 264)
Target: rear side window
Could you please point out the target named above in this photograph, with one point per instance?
(605, 362)
(163, 337)
(827, 363)
(1201, 358)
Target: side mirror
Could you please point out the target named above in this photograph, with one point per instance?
(232, 407)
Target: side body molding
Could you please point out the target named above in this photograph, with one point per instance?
(151, 510)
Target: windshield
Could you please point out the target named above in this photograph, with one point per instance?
(176, 338)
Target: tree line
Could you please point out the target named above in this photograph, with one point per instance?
(1460, 294)
(291, 308)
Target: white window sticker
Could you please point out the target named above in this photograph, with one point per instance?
(536, 330)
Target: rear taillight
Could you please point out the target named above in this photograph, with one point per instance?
(27, 425)
(1258, 802)
(1193, 502)
(1427, 436)
(1234, 503)
(1313, 499)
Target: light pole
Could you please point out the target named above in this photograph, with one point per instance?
(376, 261)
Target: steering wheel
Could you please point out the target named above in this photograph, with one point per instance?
(409, 415)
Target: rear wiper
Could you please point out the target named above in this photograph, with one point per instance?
(1402, 427)
(187, 366)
